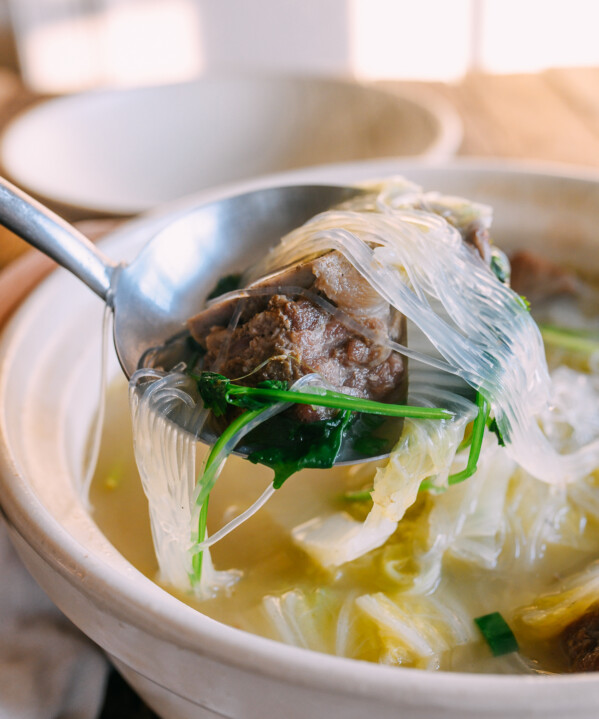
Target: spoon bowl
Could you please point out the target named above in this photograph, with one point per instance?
(153, 296)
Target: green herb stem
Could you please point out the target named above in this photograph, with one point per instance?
(478, 432)
(196, 560)
(568, 339)
(338, 400)
(209, 478)
(475, 441)
(364, 495)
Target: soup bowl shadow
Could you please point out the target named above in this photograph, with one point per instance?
(182, 663)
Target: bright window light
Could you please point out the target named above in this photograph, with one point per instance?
(424, 40)
(532, 35)
(119, 42)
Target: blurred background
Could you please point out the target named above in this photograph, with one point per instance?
(109, 108)
(70, 45)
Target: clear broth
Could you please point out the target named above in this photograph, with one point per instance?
(273, 566)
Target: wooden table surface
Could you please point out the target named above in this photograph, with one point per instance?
(552, 117)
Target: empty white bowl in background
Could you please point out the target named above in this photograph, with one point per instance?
(125, 151)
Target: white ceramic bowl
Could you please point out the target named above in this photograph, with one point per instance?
(182, 663)
(125, 151)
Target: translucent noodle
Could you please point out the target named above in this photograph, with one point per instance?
(421, 266)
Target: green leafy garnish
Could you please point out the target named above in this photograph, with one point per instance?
(213, 389)
(208, 479)
(312, 445)
(523, 302)
(493, 427)
(228, 283)
(218, 392)
(338, 400)
(500, 266)
(196, 560)
(250, 400)
(497, 634)
(475, 440)
(209, 476)
(289, 445)
(478, 432)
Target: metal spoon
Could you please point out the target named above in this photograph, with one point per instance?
(154, 295)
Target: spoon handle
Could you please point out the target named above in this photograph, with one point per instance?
(46, 231)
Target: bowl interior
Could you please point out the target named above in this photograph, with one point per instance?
(49, 376)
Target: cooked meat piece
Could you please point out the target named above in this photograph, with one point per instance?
(300, 337)
(220, 311)
(311, 341)
(339, 281)
(539, 279)
(478, 237)
(580, 641)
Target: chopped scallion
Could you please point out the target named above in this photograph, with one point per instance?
(497, 634)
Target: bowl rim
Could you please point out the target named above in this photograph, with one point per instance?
(188, 628)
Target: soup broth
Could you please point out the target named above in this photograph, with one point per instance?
(283, 595)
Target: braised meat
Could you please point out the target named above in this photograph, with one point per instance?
(580, 642)
(477, 236)
(286, 335)
(540, 279)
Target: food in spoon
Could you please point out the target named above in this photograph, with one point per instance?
(285, 335)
